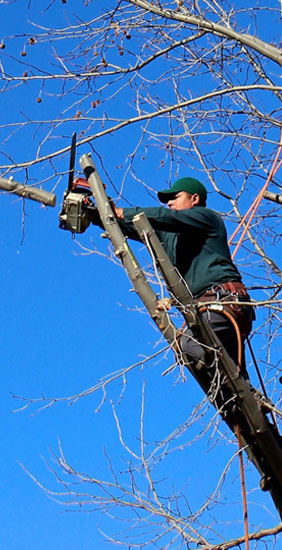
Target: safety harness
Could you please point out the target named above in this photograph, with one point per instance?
(227, 299)
(229, 296)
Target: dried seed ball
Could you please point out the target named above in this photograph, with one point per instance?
(39, 100)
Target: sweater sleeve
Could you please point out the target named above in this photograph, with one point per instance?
(175, 221)
(127, 226)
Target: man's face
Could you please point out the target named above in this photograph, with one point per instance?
(183, 201)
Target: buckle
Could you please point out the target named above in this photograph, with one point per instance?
(217, 290)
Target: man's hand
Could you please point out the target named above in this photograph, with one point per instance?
(118, 211)
(94, 216)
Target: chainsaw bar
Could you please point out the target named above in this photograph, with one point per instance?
(72, 161)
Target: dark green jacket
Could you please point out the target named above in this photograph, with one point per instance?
(195, 241)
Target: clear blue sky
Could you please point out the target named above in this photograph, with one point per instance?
(67, 320)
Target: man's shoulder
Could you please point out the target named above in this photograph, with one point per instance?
(207, 211)
(212, 214)
(204, 213)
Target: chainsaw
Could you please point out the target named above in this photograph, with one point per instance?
(77, 209)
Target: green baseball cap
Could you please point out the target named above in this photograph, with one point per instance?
(190, 185)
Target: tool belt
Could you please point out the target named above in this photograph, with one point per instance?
(235, 292)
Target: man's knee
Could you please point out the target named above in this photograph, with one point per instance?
(192, 349)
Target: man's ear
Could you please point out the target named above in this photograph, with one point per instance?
(195, 199)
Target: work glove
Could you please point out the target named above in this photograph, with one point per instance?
(94, 216)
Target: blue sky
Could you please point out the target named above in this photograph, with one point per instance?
(69, 319)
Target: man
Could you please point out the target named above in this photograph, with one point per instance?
(195, 240)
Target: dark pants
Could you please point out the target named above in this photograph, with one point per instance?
(226, 333)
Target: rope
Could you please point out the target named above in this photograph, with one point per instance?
(261, 381)
(242, 475)
(254, 206)
(251, 213)
(238, 434)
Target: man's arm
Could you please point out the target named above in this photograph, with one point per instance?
(164, 220)
(176, 221)
(128, 228)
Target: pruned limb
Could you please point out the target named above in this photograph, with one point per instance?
(28, 192)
